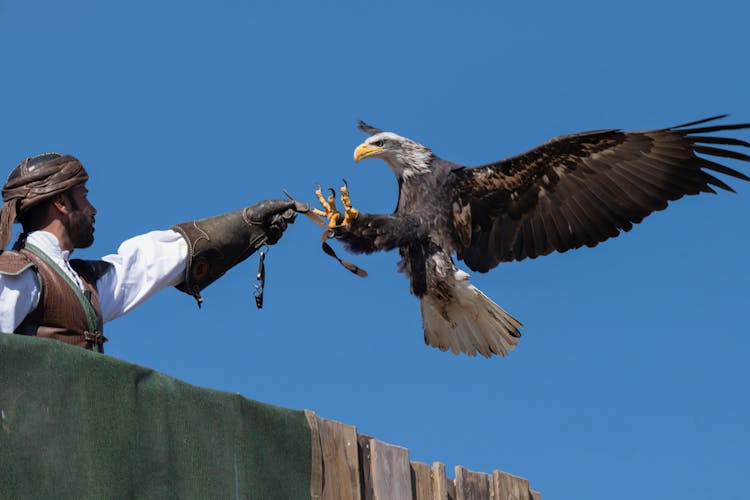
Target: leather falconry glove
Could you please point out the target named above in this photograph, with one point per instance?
(216, 244)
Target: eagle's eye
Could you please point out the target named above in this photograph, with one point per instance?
(378, 144)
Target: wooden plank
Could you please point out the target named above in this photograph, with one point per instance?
(340, 461)
(471, 485)
(439, 482)
(391, 474)
(421, 482)
(451, 488)
(316, 472)
(509, 487)
(364, 446)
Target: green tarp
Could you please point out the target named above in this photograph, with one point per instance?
(75, 424)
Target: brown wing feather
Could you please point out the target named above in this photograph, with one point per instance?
(582, 189)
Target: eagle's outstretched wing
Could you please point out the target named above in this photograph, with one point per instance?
(582, 189)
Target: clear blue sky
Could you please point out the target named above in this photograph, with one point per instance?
(631, 379)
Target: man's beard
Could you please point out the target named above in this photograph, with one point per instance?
(81, 229)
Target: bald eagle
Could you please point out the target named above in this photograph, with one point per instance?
(571, 191)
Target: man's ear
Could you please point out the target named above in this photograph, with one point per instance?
(61, 204)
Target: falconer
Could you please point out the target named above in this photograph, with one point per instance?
(45, 293)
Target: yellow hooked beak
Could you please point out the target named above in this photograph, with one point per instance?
(365, 150)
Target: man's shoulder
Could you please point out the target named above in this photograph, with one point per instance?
(13, 263)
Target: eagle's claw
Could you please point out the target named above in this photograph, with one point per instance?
(331, 213)
(350, 213)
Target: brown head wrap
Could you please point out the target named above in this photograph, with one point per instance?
(34, 180)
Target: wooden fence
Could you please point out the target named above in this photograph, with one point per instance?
(358, 467)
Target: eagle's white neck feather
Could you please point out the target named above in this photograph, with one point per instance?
(411, 159)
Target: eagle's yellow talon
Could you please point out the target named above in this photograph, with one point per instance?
(322, 200)
(350, 213)
(333, 221)
(332, 201)
(330, 211)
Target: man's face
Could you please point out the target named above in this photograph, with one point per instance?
(80, 224)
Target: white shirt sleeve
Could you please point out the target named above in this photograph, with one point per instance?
(19, 295)
(142, 266)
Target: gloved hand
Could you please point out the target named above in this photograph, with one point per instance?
(273, 215)
(216, 244)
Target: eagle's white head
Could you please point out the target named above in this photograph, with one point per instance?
(404, 156)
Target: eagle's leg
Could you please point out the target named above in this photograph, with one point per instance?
(350, 213)
(331, 212)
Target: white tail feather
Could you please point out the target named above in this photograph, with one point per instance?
(469, 323)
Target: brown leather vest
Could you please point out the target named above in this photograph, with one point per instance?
(64, 312)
